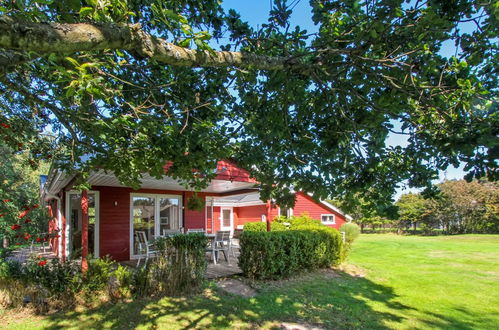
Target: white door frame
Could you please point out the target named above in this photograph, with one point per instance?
(231, 209)
(156, 215)
(97, 222)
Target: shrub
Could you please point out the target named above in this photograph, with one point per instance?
(40, 282)
(179, 268)
(262, 226)
(351, 230)
(302, 220)
(121, 287)
(279, 254)
(98, 275)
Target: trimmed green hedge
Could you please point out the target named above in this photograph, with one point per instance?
(262, 226)
(280, 254)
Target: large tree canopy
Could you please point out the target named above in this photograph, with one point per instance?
(136, 83)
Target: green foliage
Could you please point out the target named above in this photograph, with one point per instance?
(21, 217)
(98, 275)
(280, 254)
(179, 268)
(262, 226)
(121, 287)
(40, 281)
(320, 121)
(195, 203)
(351, 230)
(459, 207)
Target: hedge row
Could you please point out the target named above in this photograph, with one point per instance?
(262, 226)
(280, 254)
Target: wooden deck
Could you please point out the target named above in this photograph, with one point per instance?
(220, 270)
(22, 254)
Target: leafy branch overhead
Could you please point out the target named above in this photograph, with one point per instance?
(137, 83)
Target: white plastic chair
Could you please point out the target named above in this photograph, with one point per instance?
(195, 230)
(221, 243)
(144, 247)
(171, 232)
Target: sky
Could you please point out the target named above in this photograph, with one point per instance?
(255, 12)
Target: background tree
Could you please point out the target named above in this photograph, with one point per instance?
(464, 208)
(137, 83)
(460, 207)
(411, 210)
(21, 218)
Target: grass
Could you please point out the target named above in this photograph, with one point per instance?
(408, 282)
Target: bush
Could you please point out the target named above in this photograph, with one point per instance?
(98, 275)
(279, 254)
(180, 266)
(40, 282)
(121, 287)
(351, 230)
(302, 220)
(262, 226)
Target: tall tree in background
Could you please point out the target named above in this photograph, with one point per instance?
(136, 83)
(21, 219)
(460, 207)
(464, 208)
(411, 209)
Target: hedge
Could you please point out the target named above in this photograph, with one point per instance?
(280, 254)
(262, 226)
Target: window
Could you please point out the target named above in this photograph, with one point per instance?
(328, 219)
(285, 212)
(153, 214)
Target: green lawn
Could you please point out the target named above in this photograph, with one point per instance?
(410, 282)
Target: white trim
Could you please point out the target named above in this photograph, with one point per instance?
(243, 204)
(96, 225)
(328, 215)
(289, 212)
(334, 208)
(156, 214)
(231, 219)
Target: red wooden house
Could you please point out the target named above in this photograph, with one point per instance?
(109, 213)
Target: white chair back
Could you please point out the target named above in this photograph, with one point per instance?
(171, 232)
(195, 230)
(222, 236)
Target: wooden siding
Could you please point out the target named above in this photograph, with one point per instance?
(249, 214)
(192, 218)
(314, 209)
(114, 222)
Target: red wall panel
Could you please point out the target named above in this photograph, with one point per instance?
(114, 222)
(249, 214)
(306, 204)
(192, 218)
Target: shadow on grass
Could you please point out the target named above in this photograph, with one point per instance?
(341, 301)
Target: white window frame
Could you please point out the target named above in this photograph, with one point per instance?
(96, 226)
(156, 214)
(328, 215)
(289, 212)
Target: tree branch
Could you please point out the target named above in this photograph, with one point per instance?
(10, 58)
(45, 38)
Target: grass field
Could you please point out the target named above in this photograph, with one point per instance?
(406, 282)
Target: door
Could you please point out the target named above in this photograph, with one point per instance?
(226, 219)
(153, 214)
(74, 225)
